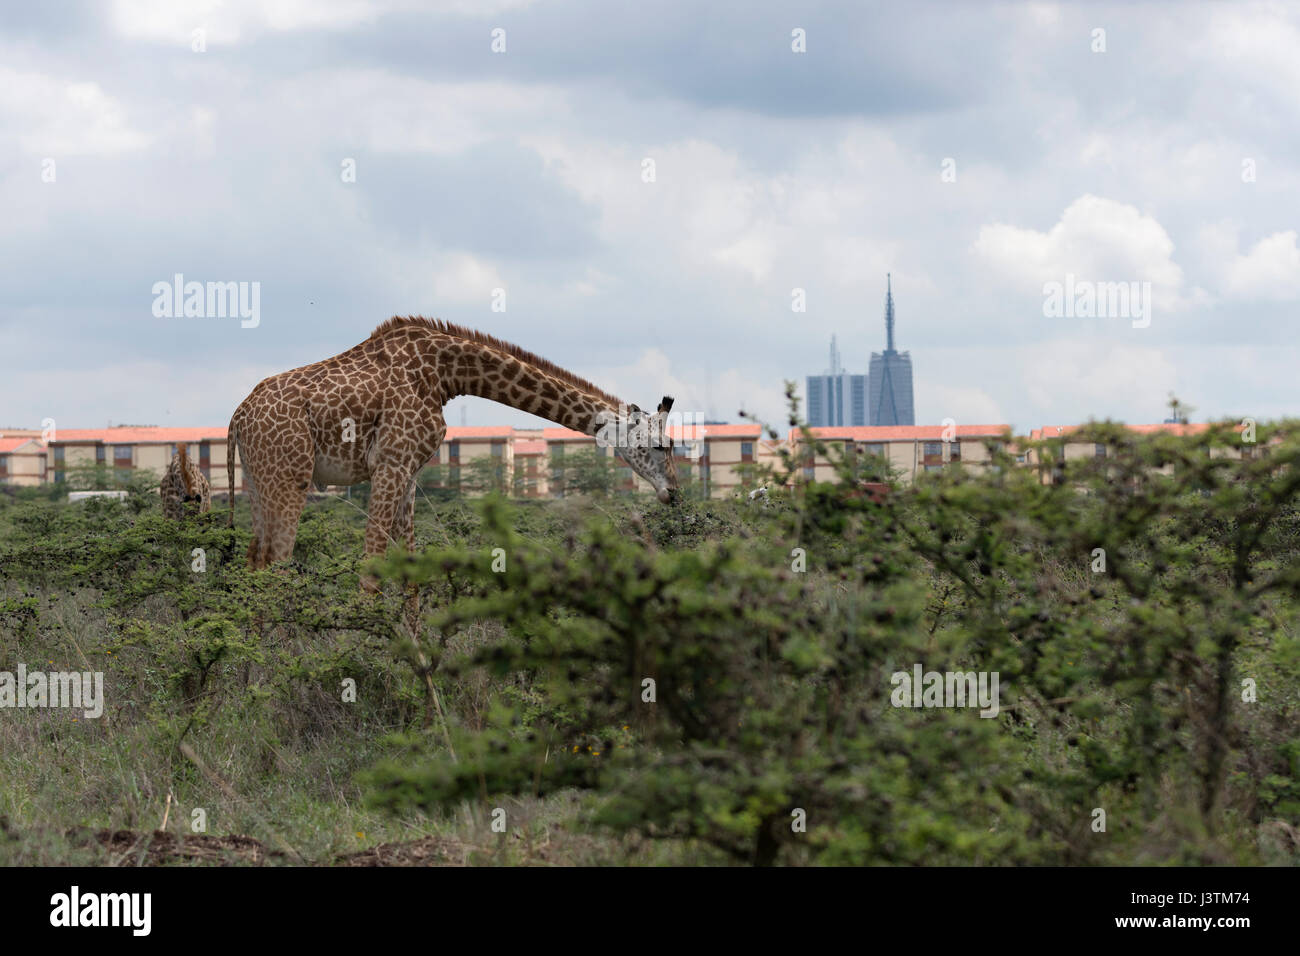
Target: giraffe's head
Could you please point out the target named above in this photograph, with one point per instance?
(649, 450)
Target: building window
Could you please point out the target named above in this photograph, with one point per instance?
(4, 466)
(746, 451)
(121, 456)
(1099, 450)
(933, 449)
(99, 454)
(954, 451)
(873, 448)
(498, 449)
(453, 452)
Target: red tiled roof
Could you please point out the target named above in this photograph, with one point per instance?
(686, 431)
(530, 448)
(128, 435)
(9, 444)
(1193, 428)
(483, 431)
(883, 433)
(719, 431)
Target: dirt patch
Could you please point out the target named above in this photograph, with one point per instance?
(430, 851)
(158, 848)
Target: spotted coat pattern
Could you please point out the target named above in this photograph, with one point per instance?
(374, 413)
(184, 490)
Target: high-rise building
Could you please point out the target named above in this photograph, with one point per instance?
(890, 376)
(837, 398)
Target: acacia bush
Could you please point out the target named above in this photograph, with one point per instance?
(1142, 624)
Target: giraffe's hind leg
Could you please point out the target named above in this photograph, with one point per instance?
(278, 478)
(282, 509)
(259, 526)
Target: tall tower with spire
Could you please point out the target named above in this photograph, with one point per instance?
(890, 376)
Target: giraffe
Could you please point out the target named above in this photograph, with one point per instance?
(374, 413)
(184, 489)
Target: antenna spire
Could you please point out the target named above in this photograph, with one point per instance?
(889, 314)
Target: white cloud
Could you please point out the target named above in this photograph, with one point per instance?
(462, 279)
(966, 405)
(178, 394)
(1096, 239)
(1068, 380)
(227, 21)
(1260, 42)
(1270, 270)
(654, 374)
(55, 117)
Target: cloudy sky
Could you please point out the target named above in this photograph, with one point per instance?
(975, 151)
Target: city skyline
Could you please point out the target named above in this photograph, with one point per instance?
(881, 397)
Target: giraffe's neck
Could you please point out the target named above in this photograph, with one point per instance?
(477, 369)
(182, 452)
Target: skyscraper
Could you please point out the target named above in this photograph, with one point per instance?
(890, 376)
(836, 398)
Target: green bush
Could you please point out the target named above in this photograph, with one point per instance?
(714, 678)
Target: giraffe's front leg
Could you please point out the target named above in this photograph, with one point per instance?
(404, 533)
(387, 490)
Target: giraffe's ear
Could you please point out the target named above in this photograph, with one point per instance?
(666, 404)
(633, 411)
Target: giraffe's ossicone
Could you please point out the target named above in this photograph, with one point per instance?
(374, 413)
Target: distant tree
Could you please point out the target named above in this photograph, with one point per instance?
(587, 472)
(1179, 411)
(482, 475)
(434, 483)
(522, 484)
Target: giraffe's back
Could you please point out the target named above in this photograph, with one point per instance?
(336, 406)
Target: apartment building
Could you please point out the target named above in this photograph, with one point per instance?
(1065, 446)
(22, 458)
(129, 449)
(542, 462)
(908, 449)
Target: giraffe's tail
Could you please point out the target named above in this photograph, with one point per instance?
(232, 445)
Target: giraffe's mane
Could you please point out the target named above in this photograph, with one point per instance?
(482, 338)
